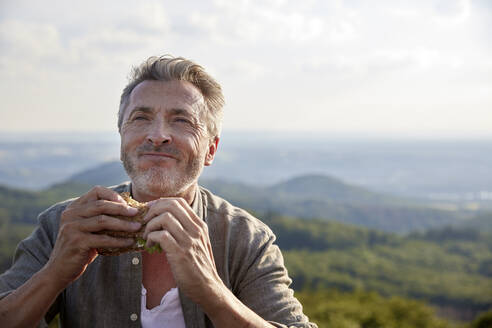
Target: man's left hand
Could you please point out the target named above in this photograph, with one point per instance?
(184, 238)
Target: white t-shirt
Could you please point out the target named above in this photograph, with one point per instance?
(168, 314)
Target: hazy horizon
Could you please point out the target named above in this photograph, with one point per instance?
(24, 136)
(433, 168)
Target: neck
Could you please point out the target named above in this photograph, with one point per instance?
(144, 196)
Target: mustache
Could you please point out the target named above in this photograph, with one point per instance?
(165, 149)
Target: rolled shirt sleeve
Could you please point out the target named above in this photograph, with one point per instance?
(31, 255)
(251, 264)
(263, 283)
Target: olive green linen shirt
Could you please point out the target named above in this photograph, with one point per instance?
(108, 293)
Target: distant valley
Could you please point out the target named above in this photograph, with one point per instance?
(308, 197)
(452, 172)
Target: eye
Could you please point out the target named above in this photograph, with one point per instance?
(140, 117)
(182, 120)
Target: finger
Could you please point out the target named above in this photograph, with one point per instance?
(164, 239)
(105, 241)
(157, 207)
(102, 206)
(93, 254)
(211, 254)
(185, 206)
(104, 222)
(168, 222)
(176, 208)
(198, 222)
(99, 192)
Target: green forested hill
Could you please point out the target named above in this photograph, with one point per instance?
(382, 213)
(322, 187)
(334, 309)
(482, 221)
(450, 268)
(303, 197)
(330, 308)
(22, 206)
(309, 196)
(19, 210)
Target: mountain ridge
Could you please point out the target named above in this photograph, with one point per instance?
(312, 196)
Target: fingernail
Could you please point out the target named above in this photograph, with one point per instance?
(132, 210)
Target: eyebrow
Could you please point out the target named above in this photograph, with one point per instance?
(141, 109)
(172, 111)
(179, 111)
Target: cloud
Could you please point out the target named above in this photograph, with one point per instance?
(260, 22)
(397, 59)
(332, 58)
(148, 18)
(69, 37)
(20, 38)
(452, 11)
(248, 70)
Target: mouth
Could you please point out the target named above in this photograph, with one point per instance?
(156, 155)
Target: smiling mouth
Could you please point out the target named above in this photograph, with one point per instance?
(157, 155)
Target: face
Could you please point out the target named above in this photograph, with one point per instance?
(164, 139)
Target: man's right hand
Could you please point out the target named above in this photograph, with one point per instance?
(74, 250)
(75, 246)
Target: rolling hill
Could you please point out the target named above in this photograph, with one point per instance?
(448, 267)
(308, 197)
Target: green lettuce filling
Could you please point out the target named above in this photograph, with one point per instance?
(156, 248)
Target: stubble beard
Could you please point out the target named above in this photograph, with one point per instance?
(161, 182)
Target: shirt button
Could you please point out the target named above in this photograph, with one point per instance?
(135, 261)
(133, 317)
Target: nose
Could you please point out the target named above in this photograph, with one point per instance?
(158, 134)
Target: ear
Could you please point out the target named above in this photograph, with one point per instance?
(211, 151)
(121, 145)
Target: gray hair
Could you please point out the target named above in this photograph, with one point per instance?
(168, 68)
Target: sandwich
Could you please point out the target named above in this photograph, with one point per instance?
(139, 244)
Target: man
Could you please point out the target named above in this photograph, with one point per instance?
(219, 266)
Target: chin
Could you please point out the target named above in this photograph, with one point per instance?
(157, 183)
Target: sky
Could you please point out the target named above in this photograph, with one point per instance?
(353, 67)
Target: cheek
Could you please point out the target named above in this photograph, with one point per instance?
(192, 137)
(197, 143)
(129, 140)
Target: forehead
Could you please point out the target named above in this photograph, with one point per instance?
(162, 95)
